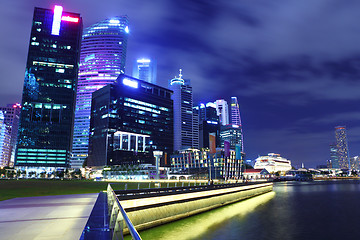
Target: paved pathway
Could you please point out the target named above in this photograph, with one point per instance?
(49, 217)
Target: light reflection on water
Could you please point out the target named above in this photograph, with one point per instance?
(195, 226)
(294, 211)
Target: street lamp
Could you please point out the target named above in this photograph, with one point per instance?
(157, 155)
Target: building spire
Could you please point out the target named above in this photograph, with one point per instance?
(180, 75)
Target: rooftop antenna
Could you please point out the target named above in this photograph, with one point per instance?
(180, 75)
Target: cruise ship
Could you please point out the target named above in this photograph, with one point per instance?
(272, 163)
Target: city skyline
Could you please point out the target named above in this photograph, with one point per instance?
(292, 65)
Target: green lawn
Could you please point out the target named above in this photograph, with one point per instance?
(33, 187)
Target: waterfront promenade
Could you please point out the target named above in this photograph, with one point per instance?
(47, 217)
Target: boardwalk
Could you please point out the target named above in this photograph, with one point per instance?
(49, 217)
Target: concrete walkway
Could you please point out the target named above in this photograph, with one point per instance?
(49, 217)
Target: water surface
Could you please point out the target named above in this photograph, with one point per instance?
(295, 210)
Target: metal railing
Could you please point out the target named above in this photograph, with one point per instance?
(119, 218)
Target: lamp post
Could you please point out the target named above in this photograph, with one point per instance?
(157, 155)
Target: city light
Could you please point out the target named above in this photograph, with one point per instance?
(114, 21)
(56, 20)
(143, 60)
(70, 19)
(130, 83)
(127, 29)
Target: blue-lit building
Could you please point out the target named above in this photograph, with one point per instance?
(48, 98)
(334, 156)
(186, 133)
(208, 123)
(129, 119)
(145, 69)
(102, 59)
(232, 134)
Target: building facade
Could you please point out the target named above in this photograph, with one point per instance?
(102, 59)
(48, 98)
(130, 119)
(203, 164)
(145, 69)
(232, 134)
(208, 123)
(342, 147)
(334, 156)
(222, 110)
(11, 115)
(185, 132)
(235, 112)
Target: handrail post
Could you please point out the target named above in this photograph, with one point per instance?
(118, 217)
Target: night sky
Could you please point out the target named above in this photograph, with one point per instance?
(294, 65)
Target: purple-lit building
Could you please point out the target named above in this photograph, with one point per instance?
(8, 133)
(102, 60)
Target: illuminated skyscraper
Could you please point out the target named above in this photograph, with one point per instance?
(129, 119)
(145, 69)
(102, 60)
(4, 142)
(222, 110)
(235, 112)
(342, 147)
(48, 99)
(185, 132)
(208, 123)
(334, 156)
(11, 122)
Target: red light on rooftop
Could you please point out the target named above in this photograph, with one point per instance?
(70, 19)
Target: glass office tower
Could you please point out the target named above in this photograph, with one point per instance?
(48, 99)
(222, 110)
(185, 134)
(129, 119)
(102, 60)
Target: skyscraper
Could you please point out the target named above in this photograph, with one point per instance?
(334, 156)
(185, 135)
(11, 122)
(102, 59)
(232, 134)
(4, 142)
(145, 69)
(48, 98)
(342, 147)
(235, 112)
(222, 110)
(208, 123)
(129, 119)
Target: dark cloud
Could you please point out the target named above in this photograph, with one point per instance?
(294, 65)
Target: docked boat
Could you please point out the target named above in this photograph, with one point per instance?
(273, 163)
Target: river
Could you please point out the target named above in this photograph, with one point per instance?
(293, 211)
